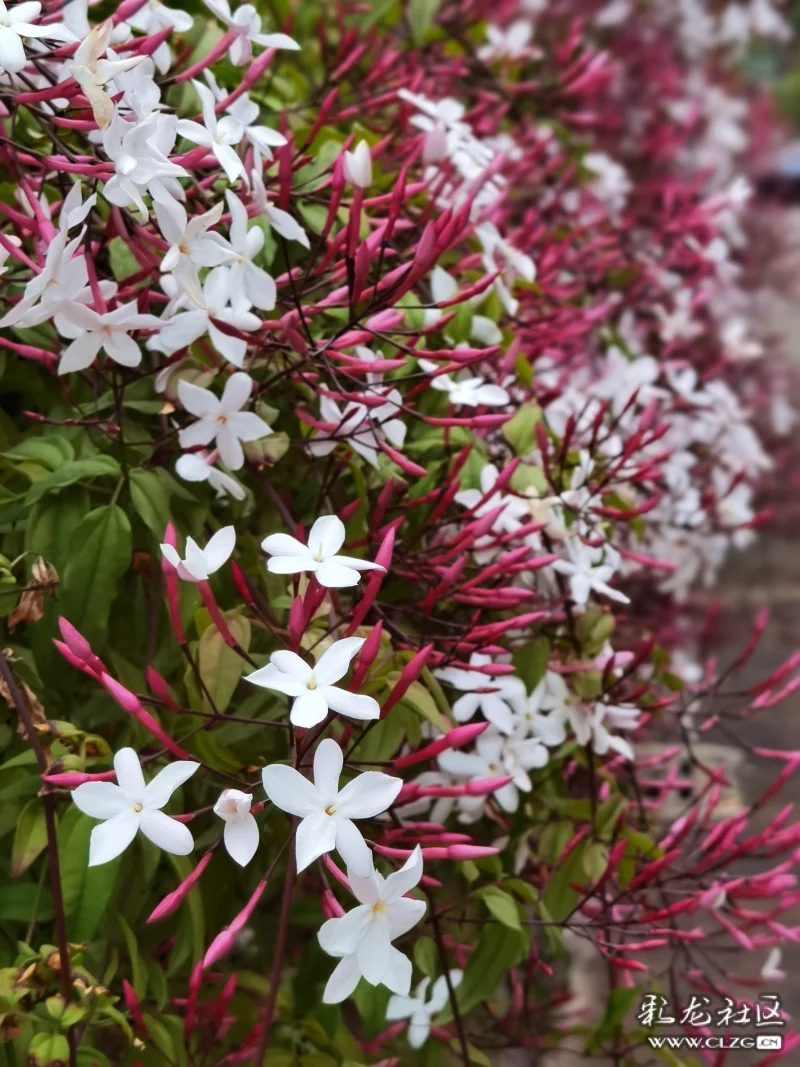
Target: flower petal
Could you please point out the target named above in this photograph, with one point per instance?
(281, 544)
(290, 791)
(368, 795)
(219, 548)
(129, 774)
(354, 705)
(237, 389)
(340, 937)
(315, 836)
(342, 982)
(404, 914)
(309, 709)
(168, 779)
(270, 677)
(290, 564)
(101, 800)
(334, 663)
(198, 401)
(111, 838)
(328, 762)
(241, 839)
(230, 450)
(334, 576)
(352, 847)
(292, 664)
(166, 833)
(326, 534)
(398, 974)
(374, 949)
(399, 883)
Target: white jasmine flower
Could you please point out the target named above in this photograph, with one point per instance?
(472, 392)
(92, 72)
(201, 563)
(589, 571)
(217, 134)
(327, 812)
(320, 555)
(199, 467)
(362, 939)
(240, 835)
(246, 21)
(497, 698)
(244, 277)
(16, 25)
(221, 418)
(107, 332)
(130, 806)
(421, 1008)
(313, 688)
(358, 166)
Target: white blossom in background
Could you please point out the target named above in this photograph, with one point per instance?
(221, 419)
(108, 332)
(498, 698)
(244, 277)
(513, 43)
(240, 835)
(312, 689)
(219, 135)
(515, 509)
(589, 570)
(92, 72)
(139, 151)
(362, 939)
(497, 756)
(199, 467)
(358, 166)
(589, 720)
(192, 244)
(200, 563)
(246, 111)
(443, 288)
(771, 971)
(469, 391)
(154, 16)
(246, 22)
(327, 812)
(420, 1008)
(16, 27)
(360, 427)
(130, 806)
(280, 221)
(183, 329)
(320, 555)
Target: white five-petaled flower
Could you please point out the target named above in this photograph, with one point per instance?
(200, 563)
(95, 332)
(589, 570)
(154, 16)
(498, 699)
(359, 426)
(496, 756)
(514, 42)
(443, 289)
(327, 812)
(320, 555)
(213, 303)
(221, 418)
(191, 244)
(246, 23)
(217, 134)
(362, 939)
(131, 805)
(244, 277)
(281, 221)
(199, 467)
(420, 1009)
(358, 166)
(471, 392)
(312, 688)
(139, 151)
(262, 138)
(16, 24)
(589, 720)
(92, 72)
(240, 835)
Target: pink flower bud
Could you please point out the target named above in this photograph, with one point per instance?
(224, 941)
(173, 900)
(72, 779)
(129, 702)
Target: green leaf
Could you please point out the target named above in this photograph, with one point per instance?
(30, 837)
(496, 951)
(421, 14)
(18, 903)
(531, 662)
(595, 860)
(426, 956)
(90, 1057)
(51, 452)
(46, 1049)
(422, 702)
(74, 471)
(520, 432)
(138, 967)
(619, 1003)
(559, 896)
(221, 667)
(87, 890)
(501, 905)
(151, 500)
(122, 260)
(51, 523)
(100, 554)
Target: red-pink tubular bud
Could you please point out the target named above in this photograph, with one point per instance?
(160, 689)
(129, 702)
(455, 738)
(216, 615)
(72, 779)
(224, 941)
(409, 675)
(172, 901)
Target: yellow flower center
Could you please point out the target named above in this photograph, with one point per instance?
(331, 809)
(137, 808)
(311, 683)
